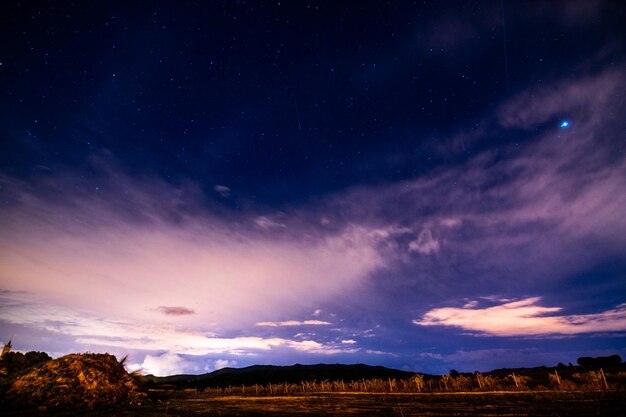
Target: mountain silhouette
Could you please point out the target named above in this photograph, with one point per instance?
(270, 374)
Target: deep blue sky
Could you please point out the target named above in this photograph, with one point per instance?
(228, 183)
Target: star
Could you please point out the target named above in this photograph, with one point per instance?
(564, 124)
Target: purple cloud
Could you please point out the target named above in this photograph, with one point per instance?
(540, 211)
(584, 100)
(222, 190)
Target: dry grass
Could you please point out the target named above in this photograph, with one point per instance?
(477, 382)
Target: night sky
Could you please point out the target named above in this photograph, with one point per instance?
(422, 185)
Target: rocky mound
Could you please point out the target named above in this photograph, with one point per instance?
(84, 381)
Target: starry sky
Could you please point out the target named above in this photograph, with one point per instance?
(425, 185)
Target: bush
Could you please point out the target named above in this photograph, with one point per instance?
(600, 361)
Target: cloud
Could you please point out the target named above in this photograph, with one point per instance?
(450, 222)
(290, 323)
(266, 223)
(469, 356)
(429, 355)
(573, 98)
(163, 365)
(425, 243)
(524, 318)
(175, 311)
(89, 330)
(192, 343)
(549, 206)
(162, 246)
(377, 352)
(224, 363)
(223, 190)
(348, 342)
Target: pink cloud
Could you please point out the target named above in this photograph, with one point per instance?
(139, 243)
(224, 276)
(91, 330)
(524, 318)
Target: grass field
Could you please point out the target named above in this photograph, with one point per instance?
(358, 404)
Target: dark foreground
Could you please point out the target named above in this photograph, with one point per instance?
(350, 404)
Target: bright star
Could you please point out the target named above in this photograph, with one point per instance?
(564, 124)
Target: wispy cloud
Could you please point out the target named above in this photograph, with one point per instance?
(524, 318)
(222, 190)
(91, 330)
(97, 255)
(377, 352)
(533, 206)
(291, 323)
(566, 98)
(266, 223)
(425, 243)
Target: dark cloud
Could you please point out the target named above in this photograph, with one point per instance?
(175, 311)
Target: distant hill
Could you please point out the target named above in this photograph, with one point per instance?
(268, 374)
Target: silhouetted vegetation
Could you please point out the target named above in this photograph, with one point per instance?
(363, 378)
(600, 361)
(563, 390)
(542, 379)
